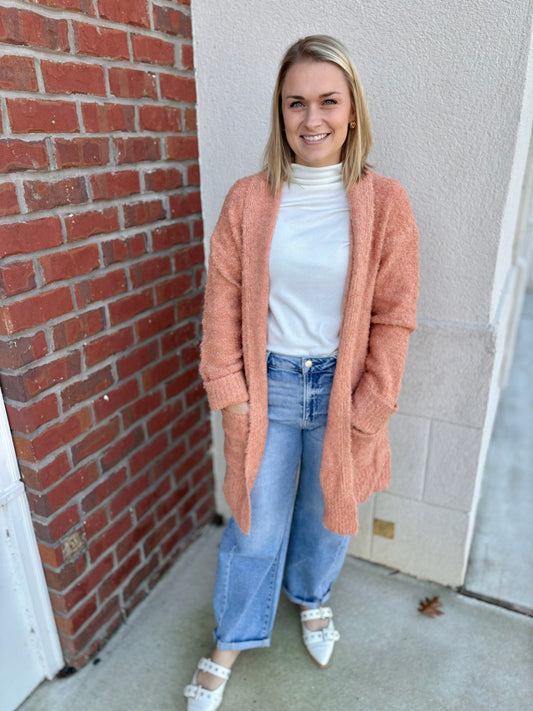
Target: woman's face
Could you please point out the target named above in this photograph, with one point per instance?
(316, 109)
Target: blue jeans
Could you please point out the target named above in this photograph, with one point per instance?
(287, 546)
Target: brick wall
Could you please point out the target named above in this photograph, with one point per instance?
(101, 278)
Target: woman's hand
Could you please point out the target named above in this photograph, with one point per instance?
(238, 408)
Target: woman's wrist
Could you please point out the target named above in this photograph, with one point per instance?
(238, 408)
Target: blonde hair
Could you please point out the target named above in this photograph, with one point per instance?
(278, 154)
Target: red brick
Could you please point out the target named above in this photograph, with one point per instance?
(107, 186)
(132, 83)
(30, 237)
(170, 235)
(161, 179)
(86, 224)
(17, 352)
(187, 56)
(150, 270)
(141, 408)
(46, 476)
(164, 465)
(160, 118)
(101, 288)
(170, 342)
(136, 149)
(164, 417)
(193, 175)
(129, 12)
(128, 307)
(69, 264)
(127, 495)
(159, 372)
(136, 581)
(81, 152)
(101, 493)
(43, 195)
(106, 118)
(77, 618)
(46, 375)
(61, 434)
(137, 359)
(173, 288)
(66, 491)
(31, 116)
(173, 22)
(61, 579)
(119, 576)
(119, 250)
(188, 257)
(199, 434)
(76, 329)
(178, 385)
(155, 323)
(32, 29)
(121, 449)
(181, 205)
(109, 537)
(108, 345)
(52, 556)
(190, 119)
(99, 41)
(30, 312)
(29, 418)
(160, 533)
(190, 307)
(8, 200)
(83, 587)
(96, 440)
(153, 50)
(101, 626)
(193, 395)
(73, 78)
(86, 389)
(149, 500)
(85, 6)
(142, 213)
(17, 73)
(55, 528)
(22, 155)
(178, 88)
(147, 454)
(16, 278)
(182, 147)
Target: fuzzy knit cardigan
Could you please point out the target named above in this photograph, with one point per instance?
(378, 315)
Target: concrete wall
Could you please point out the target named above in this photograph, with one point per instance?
(450, 92)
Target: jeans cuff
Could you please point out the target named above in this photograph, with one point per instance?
(313, 604)
(248, 644)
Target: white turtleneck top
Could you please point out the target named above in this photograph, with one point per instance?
(308, 263)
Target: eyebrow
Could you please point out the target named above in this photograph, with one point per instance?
(322, 96)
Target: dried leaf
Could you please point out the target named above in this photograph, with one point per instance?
(430, 607)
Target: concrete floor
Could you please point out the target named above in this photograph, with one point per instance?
(475, 657)
(501, 558)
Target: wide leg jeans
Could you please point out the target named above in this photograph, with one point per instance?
(288, 547)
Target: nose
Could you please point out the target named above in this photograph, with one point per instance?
(312, 117)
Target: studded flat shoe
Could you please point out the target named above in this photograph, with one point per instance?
(319, 644)
(200, 699)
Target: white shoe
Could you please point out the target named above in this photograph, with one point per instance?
(200, 699)
(319, 644)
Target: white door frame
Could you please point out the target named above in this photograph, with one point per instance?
(24, 554)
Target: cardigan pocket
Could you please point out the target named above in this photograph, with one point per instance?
(236, 429)
(370, 461)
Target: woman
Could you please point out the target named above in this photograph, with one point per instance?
(310, 300)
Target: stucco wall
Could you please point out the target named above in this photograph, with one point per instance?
(446, 84)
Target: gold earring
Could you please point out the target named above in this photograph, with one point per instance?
(353, 124)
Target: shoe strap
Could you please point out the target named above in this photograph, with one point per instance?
(195, 691)
(328, 634)
(321, 613)
(208, 665)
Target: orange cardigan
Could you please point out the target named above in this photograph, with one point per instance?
(378, 315)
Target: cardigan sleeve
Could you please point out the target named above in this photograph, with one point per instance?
(393, 317)
(221, 364)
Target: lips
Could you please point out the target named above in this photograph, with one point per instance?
(316, 138)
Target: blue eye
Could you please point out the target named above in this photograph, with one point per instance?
(330, 101)
(296, 104)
